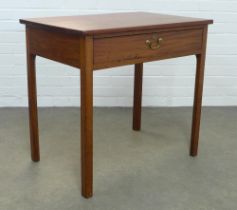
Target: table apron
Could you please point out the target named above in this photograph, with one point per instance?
(117, 50)
(56, 46)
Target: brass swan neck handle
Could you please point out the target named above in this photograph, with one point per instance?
(155, 43)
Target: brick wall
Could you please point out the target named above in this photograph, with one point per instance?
(166, 83)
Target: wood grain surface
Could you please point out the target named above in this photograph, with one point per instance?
(56, 46)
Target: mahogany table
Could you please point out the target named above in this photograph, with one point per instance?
(93, 42)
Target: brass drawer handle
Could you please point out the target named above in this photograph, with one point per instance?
(155, 43)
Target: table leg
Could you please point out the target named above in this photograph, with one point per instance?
(197, 105)
(87, 132)
(137, 97)
(87, 117)
(32, 100)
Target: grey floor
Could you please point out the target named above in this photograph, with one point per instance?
(143, 170)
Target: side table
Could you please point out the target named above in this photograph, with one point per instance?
(93, 42)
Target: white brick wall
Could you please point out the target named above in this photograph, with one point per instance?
(166, 83)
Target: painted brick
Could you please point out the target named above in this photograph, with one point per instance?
(166, 83)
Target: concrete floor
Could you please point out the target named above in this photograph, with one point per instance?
(145, 170)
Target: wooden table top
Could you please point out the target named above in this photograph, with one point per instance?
(112, 23)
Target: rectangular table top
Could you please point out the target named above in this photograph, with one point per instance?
(112, 23)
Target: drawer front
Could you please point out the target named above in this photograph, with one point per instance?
(122, 50)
